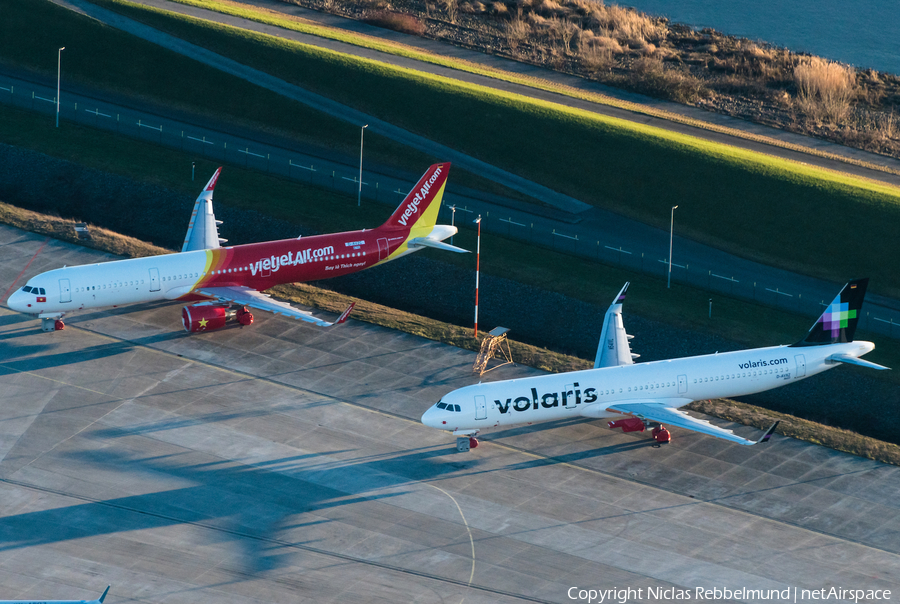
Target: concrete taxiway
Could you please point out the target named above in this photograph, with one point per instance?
(285, 463)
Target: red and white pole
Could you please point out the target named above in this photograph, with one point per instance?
(477, 271)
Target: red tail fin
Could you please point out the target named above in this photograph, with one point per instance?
(420, 208)
(345, 315)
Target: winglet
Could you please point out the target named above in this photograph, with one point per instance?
(203, 231)
(103, 597)
(613, 348)
(345, 315)
(765, 437)
(212, 181)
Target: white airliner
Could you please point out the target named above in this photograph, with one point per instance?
(97, 601)
(229, 280)
(653, 392)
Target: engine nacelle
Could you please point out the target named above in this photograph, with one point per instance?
(204, 317)
(629, 424)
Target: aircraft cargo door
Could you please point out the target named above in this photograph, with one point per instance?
(801, 365)
(682, 384)
(154, 279)
(65, 291)
(480, 407)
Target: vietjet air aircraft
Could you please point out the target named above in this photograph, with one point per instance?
(653, 392)
(227, 281)
(97, 601)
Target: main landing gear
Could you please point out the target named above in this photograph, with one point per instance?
(52, 324)
(661, 436)
(465, 442)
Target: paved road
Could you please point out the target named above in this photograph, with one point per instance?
(601, 235)
(284, 463)
(446, 49)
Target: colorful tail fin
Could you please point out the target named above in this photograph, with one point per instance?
(838, 322)
(419, 210)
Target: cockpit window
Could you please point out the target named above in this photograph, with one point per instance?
(456, 408)
(442, 405)
(26, 289)
(43, 293)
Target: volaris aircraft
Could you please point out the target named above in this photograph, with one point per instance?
(227, 281)
(636, 395)
(97, 601)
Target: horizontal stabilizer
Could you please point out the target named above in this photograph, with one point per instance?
(851, 360)
(440, 245)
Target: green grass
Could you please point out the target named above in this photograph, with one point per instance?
(836, 438)
(159, 76)
(779, 212)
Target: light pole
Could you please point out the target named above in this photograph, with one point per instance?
(362, 131)
(58, 72)
(477, 270)
(452, 219)
(671, 237)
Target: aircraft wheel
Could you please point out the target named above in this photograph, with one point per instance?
(473, 442)
(246, 318)
(58, 325)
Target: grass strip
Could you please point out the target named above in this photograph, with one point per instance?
(454, 335)
(298, 24)
(747, 203)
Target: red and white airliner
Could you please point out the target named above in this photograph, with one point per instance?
(228, 281)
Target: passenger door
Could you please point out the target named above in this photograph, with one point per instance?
(65, 291)
(480, 407)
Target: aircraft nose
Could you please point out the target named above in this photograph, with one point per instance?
(15, 301)
(432, 418)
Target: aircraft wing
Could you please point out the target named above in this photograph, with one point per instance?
(251, 298)
(613, 349)
(203, 230)
(663, 413)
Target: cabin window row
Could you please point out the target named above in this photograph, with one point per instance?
(88, 288)
(646, 387)
(734, 376)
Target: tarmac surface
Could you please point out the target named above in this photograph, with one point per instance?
(286, 463)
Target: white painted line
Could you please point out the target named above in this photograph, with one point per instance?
(140, 125)
(97, 112)
(673, 264)
(200, 140)
(617, 249)
(775, 291)
(40, 98)
(510, 221)
(566, 236)
(292, 164)
(249, 152)
(6, 89)
(732, 279)
(891, 321)
(459, 209)
(353, 180)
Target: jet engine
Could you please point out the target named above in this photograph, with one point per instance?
(208, 317)
(629, 424)
(204, 317)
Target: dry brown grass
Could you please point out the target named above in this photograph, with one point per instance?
(516, 30)
(596, 58)
(650, 74)
(308, 295)
(801, 429)
(824, 89)
(407, 24)
(64, 230)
